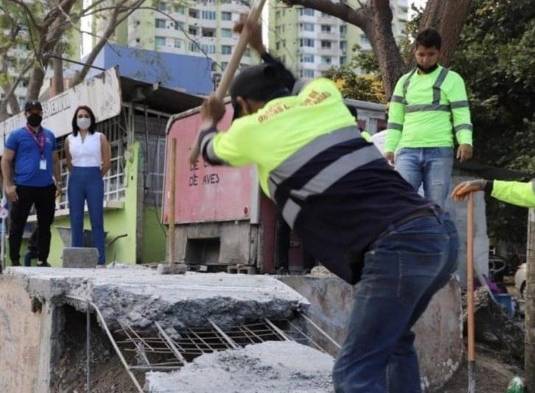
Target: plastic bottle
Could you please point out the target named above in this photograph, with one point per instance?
(516, 386)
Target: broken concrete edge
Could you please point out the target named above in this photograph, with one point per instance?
(113, 302)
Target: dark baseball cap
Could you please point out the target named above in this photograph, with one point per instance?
(261, 82)
(32, 105)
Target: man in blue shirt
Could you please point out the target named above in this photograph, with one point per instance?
(29, 166)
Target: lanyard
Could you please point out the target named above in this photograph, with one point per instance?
(39, 139)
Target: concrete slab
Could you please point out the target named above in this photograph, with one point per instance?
(139, 296)
(438, 332)
(278, 367)
(80, 257)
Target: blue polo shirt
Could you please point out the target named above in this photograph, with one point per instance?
(27, 170)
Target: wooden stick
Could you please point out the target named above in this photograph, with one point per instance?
(470, 293)
(171, 164)
(233, 65)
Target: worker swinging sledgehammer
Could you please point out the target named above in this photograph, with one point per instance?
(351, 210)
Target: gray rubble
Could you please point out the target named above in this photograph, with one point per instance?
(273, 366)
(140, 296)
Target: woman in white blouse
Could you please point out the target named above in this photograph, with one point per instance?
(88, 156)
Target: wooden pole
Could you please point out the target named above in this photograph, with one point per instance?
(233, 65)
(529, 294)
(470, 294)
(171, 164)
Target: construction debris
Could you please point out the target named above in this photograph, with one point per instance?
(283, 366)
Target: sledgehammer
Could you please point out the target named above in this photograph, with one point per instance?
(233, 65)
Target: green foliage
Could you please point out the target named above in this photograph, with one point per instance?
(367, 86)
(496, 57)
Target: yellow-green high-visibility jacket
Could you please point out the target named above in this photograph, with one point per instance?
(513, 192)
(331, 186)
(366, 135)
(426, 110)
(257, 138)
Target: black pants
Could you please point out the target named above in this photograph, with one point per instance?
(44, 200)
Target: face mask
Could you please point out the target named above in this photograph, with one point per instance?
(35, 120)
(427, 70)
(83, 123)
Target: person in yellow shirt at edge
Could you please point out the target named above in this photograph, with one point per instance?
(428, 108)
(513, 192)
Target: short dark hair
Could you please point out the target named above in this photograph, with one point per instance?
(29, 105)
(429, 38)
(93, 125)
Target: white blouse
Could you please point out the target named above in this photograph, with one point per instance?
(87, 153)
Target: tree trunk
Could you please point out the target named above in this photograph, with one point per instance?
(37, 78)
(57, 81)
(384, 45)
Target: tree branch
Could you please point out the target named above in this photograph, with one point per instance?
(342, 11)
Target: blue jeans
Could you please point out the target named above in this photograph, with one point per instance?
(402, 271)
(431, 166)
(86, 184)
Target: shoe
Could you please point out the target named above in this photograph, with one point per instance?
(28, 259)
(101, 266)
(42, 264)
(15, 263)
(282, 271)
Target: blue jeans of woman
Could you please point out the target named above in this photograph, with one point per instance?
(428, 166)
(402, 271)
(86, 184)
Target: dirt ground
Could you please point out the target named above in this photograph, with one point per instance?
(493, 373)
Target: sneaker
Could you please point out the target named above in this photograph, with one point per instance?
(42, 264)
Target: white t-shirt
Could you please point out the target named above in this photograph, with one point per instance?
(87, 153)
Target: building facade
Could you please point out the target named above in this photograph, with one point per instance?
(310, 42)
(201, 28)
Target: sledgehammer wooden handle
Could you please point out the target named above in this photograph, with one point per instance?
(233, 65)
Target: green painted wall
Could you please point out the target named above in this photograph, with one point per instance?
(116, 221)
(153, 236)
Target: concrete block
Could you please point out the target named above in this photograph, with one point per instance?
(80, 257)
(438, 332)
(175, 268)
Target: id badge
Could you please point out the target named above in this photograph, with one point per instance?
(42, 164)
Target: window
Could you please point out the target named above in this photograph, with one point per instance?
(208, 15)
(343, 45)
(343, 29)
(308, 42)
(160, 23)
(325, 28)
(306, 11)
(364, 40)
(162, 6)
(178, 43)
(326, 44)
(342, 60)
(306, 26)
(226, 15)
(159, 42)
(192, 30)
(307, 73)
(193, 13)
(326, 60)
(206, 32)
(226, 49)
(307, 58)
(180, 9)
(194, 47)
(179, 26)
(227, 33)
(208, 48)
